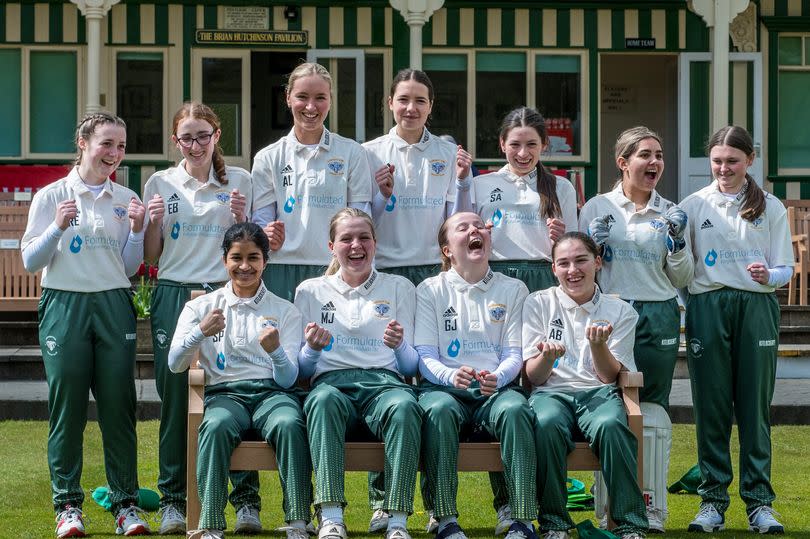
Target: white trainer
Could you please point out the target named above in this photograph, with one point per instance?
(206, 534)
(397, 533)
(656, 519)
(556, 534)
(378, 522)
(332, 531)
(70, 522)
(762, 520)
(708, 519)
(172, 520)
(247, 520)
(130, 522)
(505, 520)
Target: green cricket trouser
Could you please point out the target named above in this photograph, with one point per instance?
(375, 401)
(88, 344)
(733, 337)
(168, 300)
(658, 334)
(231, 409)
(536, 275)
(283, 279)
(599, 414)
(450, 413)
(415, 274)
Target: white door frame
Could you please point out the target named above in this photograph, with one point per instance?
(197, 56)
(700, 166)
(358, 55)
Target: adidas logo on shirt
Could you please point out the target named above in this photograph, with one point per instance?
(286, 170)
(328, 307)
(450, 312)
(173, 198)
(557, 323)
(328, 313)
(611, 219)
(706, 224)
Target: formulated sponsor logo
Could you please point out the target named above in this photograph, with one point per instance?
(497, 217)
(76, 244)
(336, 166)
(607, 255)
(438, 167)
(175, 233)
(162, 338)
(732, 256)
(497, 312)
(289, 205)
(633, 255)
(769, 342)
(209, 230)
(392, 202)
(519, 217)
(328, 347)
(93, 242)
(51, 345)
(381, 308)
(119, 212)
(454, 348)
(221, 361)
(223, 197)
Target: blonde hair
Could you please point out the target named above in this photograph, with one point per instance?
(87, 128)
(346, 213)
(304, 70)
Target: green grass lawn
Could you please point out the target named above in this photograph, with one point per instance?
(25, 508)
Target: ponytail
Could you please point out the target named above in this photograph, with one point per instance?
(753, 201)
(547, 189)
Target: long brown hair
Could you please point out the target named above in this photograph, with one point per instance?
(628, 141)
(546, 181)
(87, 127)
(200, 111)
(346, 213)
(737, 137)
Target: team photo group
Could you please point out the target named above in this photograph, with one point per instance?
(385, 292)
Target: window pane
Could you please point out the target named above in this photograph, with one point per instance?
(10, 107)
(448, 73)
(557, 83)
(222, 91)
(53, 113)
(794, 117)
(790, 51)
(500, 86)
(376, 96)
(807, 51)
(139, 90)
(346, 95)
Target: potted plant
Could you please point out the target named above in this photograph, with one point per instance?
(142, 299)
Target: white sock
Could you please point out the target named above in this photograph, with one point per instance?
(300, 524)
(444, 521)
(331, 513)
(397, 519)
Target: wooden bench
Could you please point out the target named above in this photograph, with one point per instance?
(19, 290)
(799, 221)
(369, 456)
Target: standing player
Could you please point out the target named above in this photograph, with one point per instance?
(190, 206)
(416, 185)
(576, 339)
(303, 179)
(86, 234)
(645, 259)
(741, 244)
(468, 325)
(360, 325)
(248, 341)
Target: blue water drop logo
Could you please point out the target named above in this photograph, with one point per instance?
(607, 256)
(328, 347)
(454, 348)
(711, 258)
(289, 205)
(221, 361)
(175, 231)
(497, 217)
(391, 203)
(76, 244)
(556, 363)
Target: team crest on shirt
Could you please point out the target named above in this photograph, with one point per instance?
(223, 197)
(756, 224)
(268, 321)
(119, 212)
(438, 166)
(497, 312)
(696, 347)
(336, 166)
(382, 308)
(600, 323)
(657, 224)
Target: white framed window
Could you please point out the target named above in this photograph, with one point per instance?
(793, 111)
